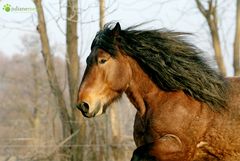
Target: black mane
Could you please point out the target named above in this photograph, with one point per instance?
(171, 62)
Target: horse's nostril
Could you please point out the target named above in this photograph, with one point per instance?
(85, 107)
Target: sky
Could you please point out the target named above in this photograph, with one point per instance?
(178, 15)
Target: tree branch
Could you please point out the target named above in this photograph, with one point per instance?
(201, 8)
(210, 15)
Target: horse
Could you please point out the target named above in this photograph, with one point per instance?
(186, 110)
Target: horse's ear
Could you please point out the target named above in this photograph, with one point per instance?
(116, 30)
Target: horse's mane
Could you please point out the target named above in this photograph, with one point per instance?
(170, 61)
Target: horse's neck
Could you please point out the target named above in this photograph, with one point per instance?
(141, 88)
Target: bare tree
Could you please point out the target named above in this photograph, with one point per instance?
(210, 14)
(101, 13)
(114, 120)
(73, 71)
(36, 94)
(51, 73)
(236, 63)
(72, 59)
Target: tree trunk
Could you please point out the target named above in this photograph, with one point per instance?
(35, 116)
(114, 120)
(116, 133)
(212, 23)
(72, 59)
(72, 62)
(52, 78)
(101, 13)
(236, 59)
(116, 130)
(210, 15)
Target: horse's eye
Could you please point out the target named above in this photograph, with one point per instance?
(102, 61)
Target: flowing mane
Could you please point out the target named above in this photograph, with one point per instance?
(170, 61)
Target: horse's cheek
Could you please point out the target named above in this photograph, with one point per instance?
(119, 78)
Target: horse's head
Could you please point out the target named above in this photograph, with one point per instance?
(106, 77)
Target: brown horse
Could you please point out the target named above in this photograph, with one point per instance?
(186, 110)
